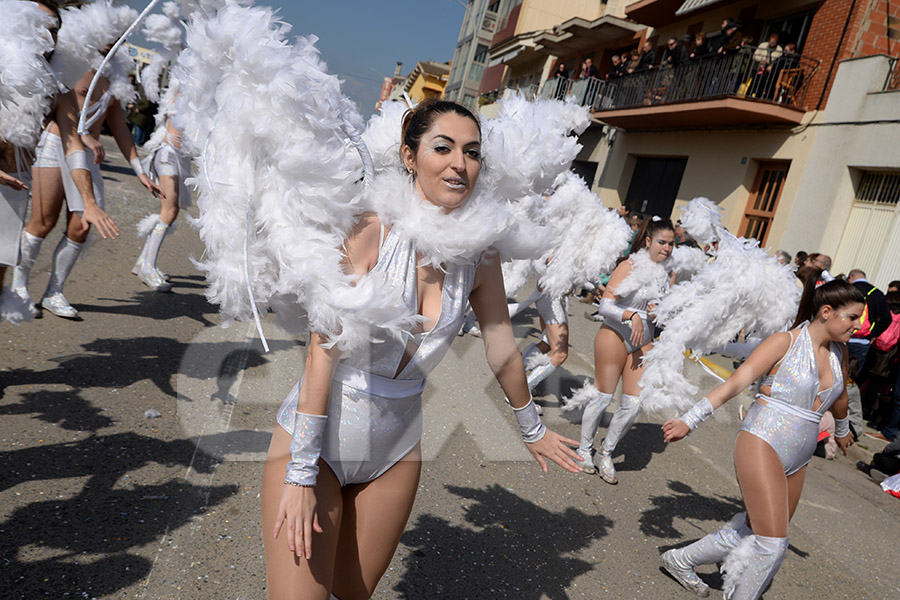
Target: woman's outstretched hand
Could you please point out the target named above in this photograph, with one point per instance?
(674, 430)
(844, 442)
(297, 514)
(556, 448)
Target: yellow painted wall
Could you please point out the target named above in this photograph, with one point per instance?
(544, 14)
(417, 92)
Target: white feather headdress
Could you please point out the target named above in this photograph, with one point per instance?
(85, 33)
(27, 84)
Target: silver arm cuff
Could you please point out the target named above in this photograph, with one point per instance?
(842, 427)
(609, 309)
(306, 445)
(530, 424)
(77, 160)
(136, 166)
(698, 413)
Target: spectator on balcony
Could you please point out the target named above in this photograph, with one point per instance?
(617, 69)
(701, 46)
(562, 83)
(733, 40)
(675, 54)
(561, 72)
(768, 52)
(783, 257)
(633, 60)
(648, 57)
(728, 32)
(589, 70)
(763, 61)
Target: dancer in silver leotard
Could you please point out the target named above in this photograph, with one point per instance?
(374, 411)
(783, 421)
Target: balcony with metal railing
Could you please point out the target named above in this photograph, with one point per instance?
(747, 87)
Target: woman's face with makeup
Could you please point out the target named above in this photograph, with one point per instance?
(447, 162)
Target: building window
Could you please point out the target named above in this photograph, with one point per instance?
(879, 187)
(494, 6)
(763, 201)
(481, 54)
(475, 72)
(469, 102)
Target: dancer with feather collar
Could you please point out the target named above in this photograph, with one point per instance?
(625, 337)
(378, 269)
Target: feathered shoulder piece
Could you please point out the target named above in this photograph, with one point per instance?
(167, 31)
(702, 219)
(529, 144)
(587, 237)
(648, 280)
(742, 290)
(382, 136)
(84, 36)
(27, 85)
(278, 182)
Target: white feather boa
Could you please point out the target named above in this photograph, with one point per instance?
(648, 280)
(587, 239)
(743, 289)
(702, 219)
(85, 33)
(27, 84)
(687, 261)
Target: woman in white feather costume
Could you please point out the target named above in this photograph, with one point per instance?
(805, 373)
(624, 339)
(351, 484)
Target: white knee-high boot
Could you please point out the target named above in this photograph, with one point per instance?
(29, 247)
(711, 549)
(621, 422)
(64, 257)
(751, 566)
(594, 402)
(539, 368)
(146, 267)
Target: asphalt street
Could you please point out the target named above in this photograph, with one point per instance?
(97, 500)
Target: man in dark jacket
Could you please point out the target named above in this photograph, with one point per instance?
(648, 58)
(675, 54)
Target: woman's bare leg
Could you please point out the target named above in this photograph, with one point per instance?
(625, 415)
(287, 576)
(375, 515)
(168, 210)
(609, 360)
(763, 485)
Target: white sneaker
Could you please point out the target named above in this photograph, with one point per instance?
(152, 278)
(59, 306)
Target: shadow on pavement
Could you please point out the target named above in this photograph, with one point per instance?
(66, 409)
(510, 548)
(638, 446)
(158, 306)
(120, 362)
(685, 503)
(84, 545)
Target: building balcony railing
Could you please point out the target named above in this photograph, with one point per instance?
(784, 80)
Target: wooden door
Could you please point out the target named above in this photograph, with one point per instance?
(763, 201)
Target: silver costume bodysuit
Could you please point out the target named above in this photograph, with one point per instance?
(788, 421)
(631, 302)
(374, 412)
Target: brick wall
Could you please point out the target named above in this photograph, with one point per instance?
(867, 33)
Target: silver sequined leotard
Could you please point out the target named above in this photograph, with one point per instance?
(632, 302)
(787, 421)
(375, 413)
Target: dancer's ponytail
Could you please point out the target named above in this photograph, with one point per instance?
(835, 294)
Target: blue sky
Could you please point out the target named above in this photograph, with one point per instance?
(362, 41)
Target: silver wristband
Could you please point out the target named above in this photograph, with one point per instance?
(609, 309)
(77, 160)
(698, 413)
(530, 424)
(842, 427)
(136, 166)
(306, 445)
